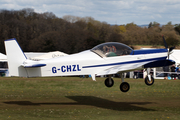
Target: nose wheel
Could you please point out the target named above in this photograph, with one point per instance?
(149, 80)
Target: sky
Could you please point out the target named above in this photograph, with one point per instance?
(118, 12)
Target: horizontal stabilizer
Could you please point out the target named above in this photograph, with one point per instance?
(35, 65)
(32, 64)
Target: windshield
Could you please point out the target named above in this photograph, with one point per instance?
(112, 49)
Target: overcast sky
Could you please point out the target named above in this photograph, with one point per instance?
(111, 11)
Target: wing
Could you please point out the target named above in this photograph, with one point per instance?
(122, 68)
(134, 66)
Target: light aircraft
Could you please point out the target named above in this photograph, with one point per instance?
(104, 59)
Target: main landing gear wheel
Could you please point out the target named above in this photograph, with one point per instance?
(149, 81)
(124, 87)
(109, 82)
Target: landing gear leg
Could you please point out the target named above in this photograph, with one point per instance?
(124, 86)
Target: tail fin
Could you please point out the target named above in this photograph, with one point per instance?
(15, 58)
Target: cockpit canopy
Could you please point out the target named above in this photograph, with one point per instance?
(112, 49)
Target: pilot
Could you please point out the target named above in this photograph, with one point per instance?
(109, 51)
(113, 49)
(105, 49)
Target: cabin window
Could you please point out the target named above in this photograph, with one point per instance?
(112, 49)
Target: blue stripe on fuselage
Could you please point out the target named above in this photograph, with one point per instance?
(129, 62)
(149, 51)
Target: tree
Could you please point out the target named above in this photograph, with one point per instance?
(150, 25)
(177, 28)
(122, 29)
(172, 40)
(45, 32)
(155, 24)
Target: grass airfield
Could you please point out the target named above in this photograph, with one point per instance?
(73, 98)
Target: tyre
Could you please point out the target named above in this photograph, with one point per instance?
(109, 83)
(148, 82)
(124, 87)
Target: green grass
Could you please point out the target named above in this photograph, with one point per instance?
(73, 98)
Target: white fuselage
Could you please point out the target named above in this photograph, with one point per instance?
(104, 59)
(88, 63)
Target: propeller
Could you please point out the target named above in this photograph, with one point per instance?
(166, 46)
